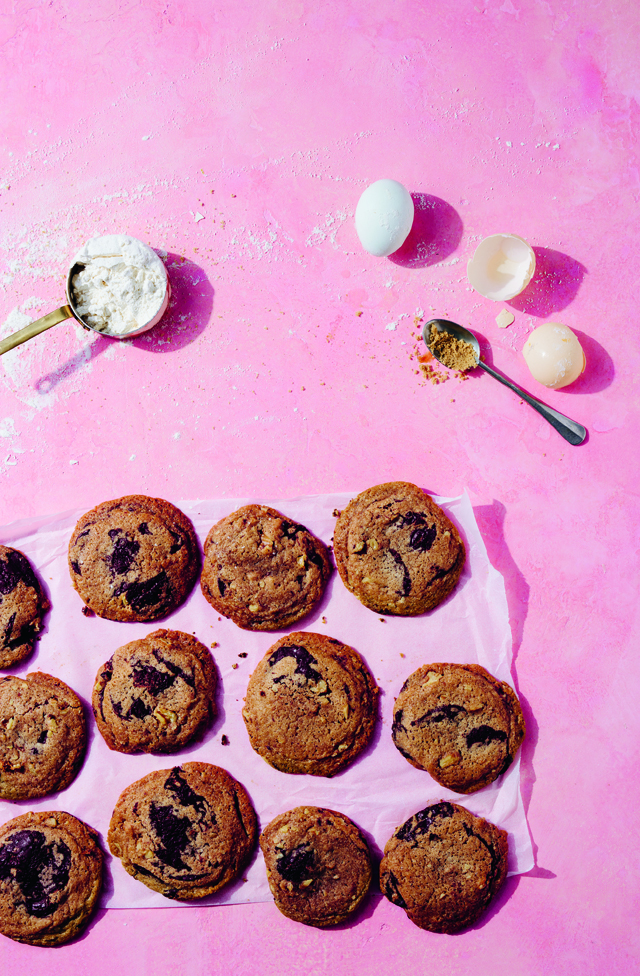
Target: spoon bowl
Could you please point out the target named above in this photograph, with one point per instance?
(572, 432)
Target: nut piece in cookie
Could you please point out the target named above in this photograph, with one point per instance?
(263, 570)
(184, 832)
(134, 558)
(318, 865)
(22, 607)
(155, 694)
(42, 736)
(50, 877)
(311, 705)
(459, 723)
(444, 866)
(396, 550)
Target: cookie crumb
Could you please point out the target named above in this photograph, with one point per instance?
(336, 513)
(324, 620)
(225, 740)
(242, 654)
(383, 621)
(215, 644)
(234, 666)
(88, 612)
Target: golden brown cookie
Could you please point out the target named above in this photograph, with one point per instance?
(318, 865)
(459, 723)
(42, 736)
(185, 832)
(444, 866)
(134, 558)
(263, 570)
(155, 694)
(50, 877)
(22, 607)
(311, 705)
(396, 550)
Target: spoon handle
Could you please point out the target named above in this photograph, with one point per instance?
(35, 328)
(569, 429)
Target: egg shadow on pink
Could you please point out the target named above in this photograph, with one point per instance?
(554, 285)
(189, 310)
(435, 233)
(599, 371)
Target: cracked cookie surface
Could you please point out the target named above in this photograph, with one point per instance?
(185, 832)
(318, 865)
(396, 550)
(155, 694)
(50, 877)
(134, 558)
(444, 866)
(311, 705)
(42, 736)
(459, 723)
(262, 569)
(22, 607)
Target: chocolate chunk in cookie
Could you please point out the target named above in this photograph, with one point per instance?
(444, 866)
(134, 558)
(42, 736)
(263, 570)
(459, 723)
(155, 694)
(22, 607)
(184, 832)
(396, 550)
(318, 865)
(50, 877)
(311, 705)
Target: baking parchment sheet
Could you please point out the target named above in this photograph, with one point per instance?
(379, 791)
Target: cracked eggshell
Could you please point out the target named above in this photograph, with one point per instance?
(554, 355)
(384, 217)
(502, 267)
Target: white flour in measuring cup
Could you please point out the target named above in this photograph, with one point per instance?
(122, 288)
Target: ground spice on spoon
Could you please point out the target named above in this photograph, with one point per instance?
(452, 352)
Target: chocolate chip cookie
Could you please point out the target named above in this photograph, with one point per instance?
(22, 607)
(444, 866)
(155, 694)
(311, 705)
(134, 558)
(459, 723)
(396, 550)
(42, 736)
(318, 865)
(263, 570)
(50, 877)
(184, 832)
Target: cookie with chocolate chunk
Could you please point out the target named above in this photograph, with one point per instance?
(318, 865)
(155, 694)
(444, 866)
(311, 705)
(459, 723)
(184, 832)
(134, 558)
(396, 550)
(42, 736)
(22, 607)
(263, 570)
(50, 877)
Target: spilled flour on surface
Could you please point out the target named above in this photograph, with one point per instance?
(48, 367)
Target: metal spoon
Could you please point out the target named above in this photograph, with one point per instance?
(569, 429)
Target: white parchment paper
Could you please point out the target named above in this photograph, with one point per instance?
(379, 791)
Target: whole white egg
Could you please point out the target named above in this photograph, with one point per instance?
(554, 355)
(384, 217)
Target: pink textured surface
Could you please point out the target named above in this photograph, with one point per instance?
(269, 119)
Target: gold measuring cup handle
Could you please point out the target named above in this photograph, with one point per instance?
(35, 328)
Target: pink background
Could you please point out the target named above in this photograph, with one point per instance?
(269, 118)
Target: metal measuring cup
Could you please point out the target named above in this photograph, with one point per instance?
(70, 311)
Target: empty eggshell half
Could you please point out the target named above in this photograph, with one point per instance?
(502, 267)
(554, 355)
(384, 217)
